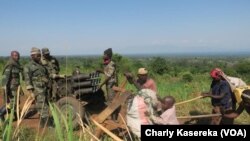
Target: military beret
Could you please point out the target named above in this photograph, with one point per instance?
(45, 51)
(108, 52)
(35, 50)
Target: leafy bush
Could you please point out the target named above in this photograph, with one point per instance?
(243, 67)
(187, 77)
(159, 65)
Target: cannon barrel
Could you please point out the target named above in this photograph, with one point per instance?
(87, 83)
(82, 77)
(85, 91)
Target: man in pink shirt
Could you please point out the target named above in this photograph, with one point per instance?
(136, 114)
(143, 81)
(168, 117)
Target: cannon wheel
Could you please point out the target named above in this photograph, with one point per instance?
(71, 105)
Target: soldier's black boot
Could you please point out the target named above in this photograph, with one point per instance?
(2, 113)
(46, 122)
(51, 122)
(15, 116)
(43, 122)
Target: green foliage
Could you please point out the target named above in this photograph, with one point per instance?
(117, 58)
(243, 67)
(159, 65)
(8, 126)
(187, 77)
(70, 126)
(59, 128)
(26, 134)
(122, 63)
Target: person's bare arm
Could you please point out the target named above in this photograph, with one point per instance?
(235, 114)
(137, 85)
(106, 79)
(215, 96)
(221, 95)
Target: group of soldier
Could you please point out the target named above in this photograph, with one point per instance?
(43, 68)
(37, 74)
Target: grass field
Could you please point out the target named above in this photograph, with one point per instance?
(169, 76)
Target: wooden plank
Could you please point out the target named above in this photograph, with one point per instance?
(199, 116)
(111, 108)
(123, 113)
(117, 101)
(115, 124)
(107, 131)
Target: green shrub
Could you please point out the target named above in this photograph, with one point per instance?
(187, 77)
(159, 65)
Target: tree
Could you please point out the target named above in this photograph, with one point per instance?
(159, 65)
(123, 64)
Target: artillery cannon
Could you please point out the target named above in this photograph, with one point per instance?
(78, 94)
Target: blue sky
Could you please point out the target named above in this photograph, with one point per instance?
(82, 27)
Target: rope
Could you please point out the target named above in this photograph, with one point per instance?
(199, 116)
(186, 101)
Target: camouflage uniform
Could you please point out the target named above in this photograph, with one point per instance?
(11, 80)
(52, 66)
(110, 71)
(36, 78)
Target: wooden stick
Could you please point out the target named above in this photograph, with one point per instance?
(200, 116)
(186, 101)
(113, 105)
(106, 131)
(90, 133)
(124, 122)
(118, 89)
(85, 129)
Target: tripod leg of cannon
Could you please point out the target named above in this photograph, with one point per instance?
(107, 123)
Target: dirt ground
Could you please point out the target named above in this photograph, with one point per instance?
(32, 121)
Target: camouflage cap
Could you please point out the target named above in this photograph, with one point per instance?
(35, 50)
(45, 51)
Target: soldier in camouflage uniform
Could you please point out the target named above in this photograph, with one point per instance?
(110, 79)
(110, 74)
(36, 79)
(11, 80)
(53, 68)
(50, 62)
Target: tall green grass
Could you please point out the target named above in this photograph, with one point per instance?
(8, 126)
